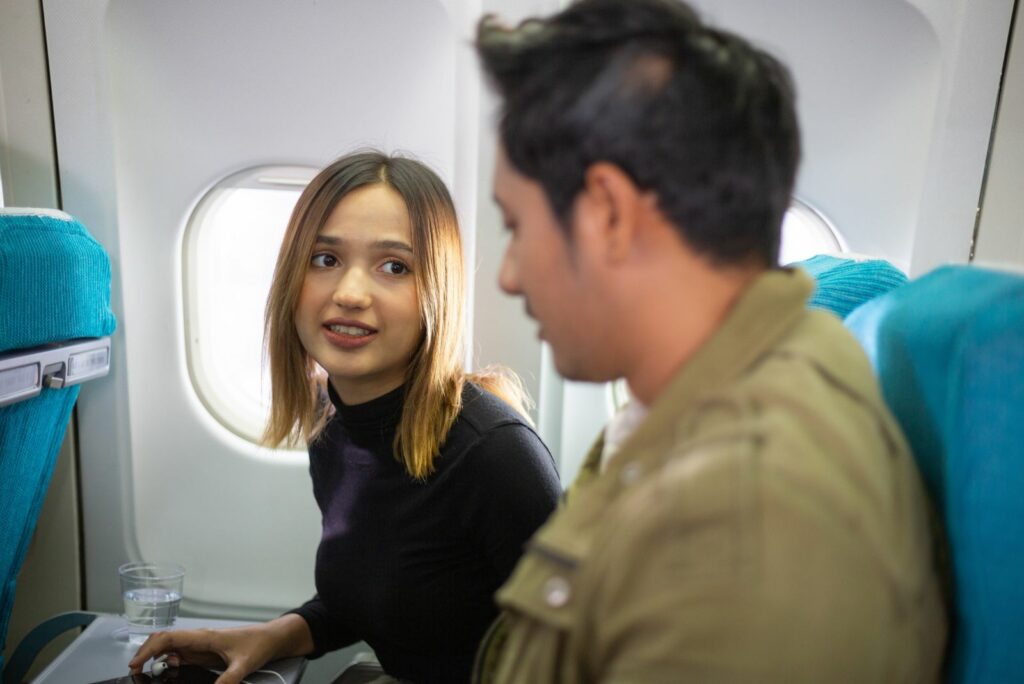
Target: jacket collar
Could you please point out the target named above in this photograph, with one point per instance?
(761, 317)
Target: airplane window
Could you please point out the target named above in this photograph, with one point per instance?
(806, 232)
(230, 247)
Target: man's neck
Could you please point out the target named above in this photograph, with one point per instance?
(673, 328)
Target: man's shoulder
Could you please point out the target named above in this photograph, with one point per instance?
(804, 427)
(813, 391)
(821, 344)
(799, 452)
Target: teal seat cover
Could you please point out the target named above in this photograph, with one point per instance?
(54, 286)
(54, 281)
(845, 284)
(949, 351)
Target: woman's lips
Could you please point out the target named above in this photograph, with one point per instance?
(348, 335)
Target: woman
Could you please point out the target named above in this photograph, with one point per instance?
(428, 483)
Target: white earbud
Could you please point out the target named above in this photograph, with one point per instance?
(159, 668)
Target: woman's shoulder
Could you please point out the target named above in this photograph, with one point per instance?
(483, 411)
(487, 424)
(489, 436)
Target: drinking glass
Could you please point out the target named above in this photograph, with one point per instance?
(152, 594)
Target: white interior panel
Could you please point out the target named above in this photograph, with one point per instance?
(896, 102)
(1001, 230)
(502, 332)
(181, 95)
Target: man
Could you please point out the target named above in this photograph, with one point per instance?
(761, 518)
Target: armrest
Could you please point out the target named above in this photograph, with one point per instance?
(42, 634)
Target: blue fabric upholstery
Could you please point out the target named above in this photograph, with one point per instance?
(949, 351)
(54, 286)
(54, 281)
(845, 284)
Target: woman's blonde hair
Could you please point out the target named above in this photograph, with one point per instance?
(435, 376)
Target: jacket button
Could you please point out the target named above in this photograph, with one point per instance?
(556, 592)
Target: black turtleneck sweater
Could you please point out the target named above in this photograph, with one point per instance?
(411, 567)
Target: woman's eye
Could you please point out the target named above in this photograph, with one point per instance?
(323, 261)
(395, 268)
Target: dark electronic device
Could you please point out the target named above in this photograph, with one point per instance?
(186, 674)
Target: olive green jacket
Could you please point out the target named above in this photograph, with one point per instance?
(765, 523)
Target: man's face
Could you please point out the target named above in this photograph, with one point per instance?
(552, 274)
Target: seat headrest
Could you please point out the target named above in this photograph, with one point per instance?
(54, 280)
(844, 283)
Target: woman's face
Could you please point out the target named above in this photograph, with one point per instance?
(358, 314)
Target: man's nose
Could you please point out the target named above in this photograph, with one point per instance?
(508, 274)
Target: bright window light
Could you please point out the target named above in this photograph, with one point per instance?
(807, 232)
(230, 248)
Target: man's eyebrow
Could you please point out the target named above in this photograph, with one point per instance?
(377, 244)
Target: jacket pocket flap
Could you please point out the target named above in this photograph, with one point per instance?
(543, 586)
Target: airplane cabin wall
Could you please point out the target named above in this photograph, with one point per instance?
(155, 102)
(153, 106)
(1000, 239)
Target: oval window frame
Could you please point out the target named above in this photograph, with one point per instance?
(810, 215)
(281, 176)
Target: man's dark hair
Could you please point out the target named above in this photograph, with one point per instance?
(694, 114)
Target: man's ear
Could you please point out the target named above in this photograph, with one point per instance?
(609, 207)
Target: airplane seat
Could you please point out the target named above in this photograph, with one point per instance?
(845, 282)
(55, 320)
(949, 352)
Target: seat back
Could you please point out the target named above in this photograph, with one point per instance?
(949, 352)
(54, 287)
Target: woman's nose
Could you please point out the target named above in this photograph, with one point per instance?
(352, 290)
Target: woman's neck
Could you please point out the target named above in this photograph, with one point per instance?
(355, 393)
(377, 416)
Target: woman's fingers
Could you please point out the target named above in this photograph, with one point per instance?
(186, 645)
(152, 647)
(236, 651)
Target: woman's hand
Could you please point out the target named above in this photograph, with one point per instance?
(238, 651)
